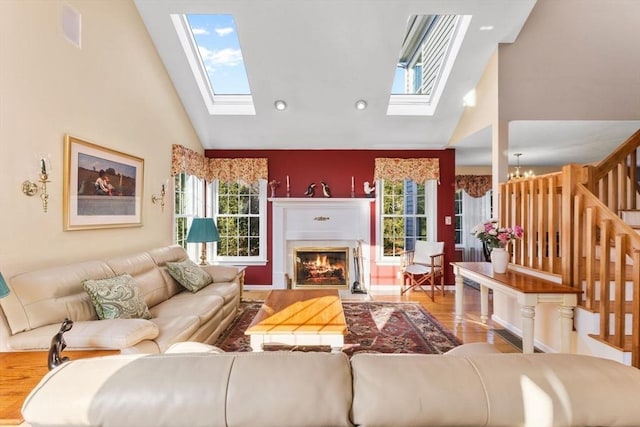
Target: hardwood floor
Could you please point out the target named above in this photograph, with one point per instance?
(472, 330)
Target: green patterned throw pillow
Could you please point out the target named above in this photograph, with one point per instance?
(189, 275)
(117, 298)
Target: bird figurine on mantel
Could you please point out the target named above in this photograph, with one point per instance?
(325, 189)
(311, 189)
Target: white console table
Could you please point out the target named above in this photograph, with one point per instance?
(529, 291)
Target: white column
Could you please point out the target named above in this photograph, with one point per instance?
(499, 159)
(484, 303)
(528, 313)
(459, 295)
(566, 326)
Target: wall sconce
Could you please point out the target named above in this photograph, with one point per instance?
(30, 188)
(160, 199)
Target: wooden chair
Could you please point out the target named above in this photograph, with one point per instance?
(423, 266)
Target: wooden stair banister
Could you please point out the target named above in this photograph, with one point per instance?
(572, 228)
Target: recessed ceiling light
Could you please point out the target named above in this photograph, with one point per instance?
(280, 105)
(486, 28)
(361, 104)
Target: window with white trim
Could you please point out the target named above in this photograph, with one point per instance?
(406, 212)
(189, 204)
(240, 212)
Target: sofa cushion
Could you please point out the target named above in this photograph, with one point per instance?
(36, 296)
(117, 298)
(227, 290)
(103, 334)
(186, 303)
(221, 273)
(169, 253)
(189, 274)
(175, 329)
(418, 390)
(148, 276)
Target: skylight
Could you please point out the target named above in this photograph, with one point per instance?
(212, 46)
(217, 39)
(429, 48)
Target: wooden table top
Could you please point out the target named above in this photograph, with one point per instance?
(300, 311)
(21, 371)
(523, 282)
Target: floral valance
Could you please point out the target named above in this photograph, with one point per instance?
(418, 170)
(474, 185)
(245, 169)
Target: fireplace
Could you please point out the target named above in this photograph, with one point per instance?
(322, 225)
(321, 267)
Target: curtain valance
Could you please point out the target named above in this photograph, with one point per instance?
(474, 185)
(193, 163)
(396, 170)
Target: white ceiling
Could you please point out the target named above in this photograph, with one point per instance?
(321, 56)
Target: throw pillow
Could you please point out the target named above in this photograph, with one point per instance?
(189, 274)
(117, 298)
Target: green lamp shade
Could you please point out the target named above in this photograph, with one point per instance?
(203, 230)
(4, 289)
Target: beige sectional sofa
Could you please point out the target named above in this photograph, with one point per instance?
(40, 300)
(282, 389)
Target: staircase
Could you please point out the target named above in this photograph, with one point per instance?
(583, 224)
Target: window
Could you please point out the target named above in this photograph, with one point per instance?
(212, 47)
(458, 216)
(189, 203)
(429, 49)
(240, 213)
(406, 212)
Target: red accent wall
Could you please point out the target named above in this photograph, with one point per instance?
(336, 167)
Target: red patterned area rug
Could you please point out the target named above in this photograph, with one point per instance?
(373, 327)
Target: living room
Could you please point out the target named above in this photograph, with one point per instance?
(572, 61)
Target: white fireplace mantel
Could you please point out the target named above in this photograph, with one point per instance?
(318, 222)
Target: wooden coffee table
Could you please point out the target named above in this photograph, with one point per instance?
(299, 317)
(21, 371)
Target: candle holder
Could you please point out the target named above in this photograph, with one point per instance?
(30, 188)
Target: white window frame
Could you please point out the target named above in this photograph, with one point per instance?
(431, 210)
(212, 210)
(194, 208)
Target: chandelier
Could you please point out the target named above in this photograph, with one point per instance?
(517, 174)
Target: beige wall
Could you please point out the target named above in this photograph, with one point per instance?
(114, 91)
(573, 60)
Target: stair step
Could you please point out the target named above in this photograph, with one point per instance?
(631, 217)
(611, 341)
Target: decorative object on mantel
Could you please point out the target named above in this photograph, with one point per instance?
(497, 238)
(368, 189)
(274, 184)
(353, 188)
(288, 187)
(311, 190)
(325, 189)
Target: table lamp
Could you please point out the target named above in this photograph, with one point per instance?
(4, 288)
(203, 230)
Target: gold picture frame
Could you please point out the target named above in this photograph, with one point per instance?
(102, 187)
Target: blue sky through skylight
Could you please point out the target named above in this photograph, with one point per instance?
(216, 37)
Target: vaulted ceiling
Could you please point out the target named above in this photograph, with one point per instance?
(321, 56)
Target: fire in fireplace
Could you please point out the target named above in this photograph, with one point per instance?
(321, 267)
